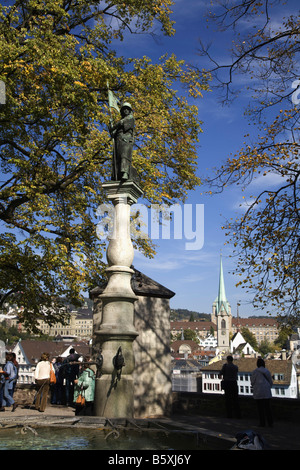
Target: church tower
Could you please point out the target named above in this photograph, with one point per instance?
(221, 314)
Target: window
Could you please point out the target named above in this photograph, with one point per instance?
(278, 376)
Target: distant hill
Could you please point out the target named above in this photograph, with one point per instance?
(182, 314)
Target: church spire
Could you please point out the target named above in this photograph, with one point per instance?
(222, 302)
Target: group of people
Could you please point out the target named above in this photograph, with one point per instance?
(261, 382)
(65, 378)
(74, 375)
(8, 380)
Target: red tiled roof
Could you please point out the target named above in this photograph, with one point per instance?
(192, 325)
(192, 344)
(248, 322)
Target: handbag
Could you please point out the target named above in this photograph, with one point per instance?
(52, 375)
(80, 400)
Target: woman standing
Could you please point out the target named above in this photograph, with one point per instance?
(42, 379)
(261, 381)
(85, 386)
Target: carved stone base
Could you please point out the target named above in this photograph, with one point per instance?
(114, 390)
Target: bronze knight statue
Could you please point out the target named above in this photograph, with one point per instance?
(123, 134)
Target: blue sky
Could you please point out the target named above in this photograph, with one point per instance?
(193, 274)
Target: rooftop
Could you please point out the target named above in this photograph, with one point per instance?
(141, 285)
(249, 364)
(33, 349)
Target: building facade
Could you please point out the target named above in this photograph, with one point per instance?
(203, 329)
(264, 329)
(78, 325)
(185, 375)
(283, 372)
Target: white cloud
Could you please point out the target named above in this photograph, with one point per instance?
(269, 180)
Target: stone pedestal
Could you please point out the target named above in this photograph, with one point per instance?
(116, 333)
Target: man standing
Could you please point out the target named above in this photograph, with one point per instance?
(70, 368)
(229, 374)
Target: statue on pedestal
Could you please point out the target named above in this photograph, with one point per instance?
(115, 332)
(123, 134)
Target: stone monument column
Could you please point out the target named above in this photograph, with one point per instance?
(116, 333)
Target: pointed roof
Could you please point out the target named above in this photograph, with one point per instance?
(141, 285)
(144, 285)
(221, 301)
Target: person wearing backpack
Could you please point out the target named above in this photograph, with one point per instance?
(10, 373)
(261, 382)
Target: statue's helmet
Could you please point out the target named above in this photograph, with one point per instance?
(126, 105)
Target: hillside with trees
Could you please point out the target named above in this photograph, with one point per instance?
(182, 314)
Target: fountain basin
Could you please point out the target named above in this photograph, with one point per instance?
(94, 433)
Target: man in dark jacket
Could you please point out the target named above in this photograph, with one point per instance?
(229, 373)
(71, 373)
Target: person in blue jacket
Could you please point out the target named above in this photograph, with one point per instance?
(10, 373)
